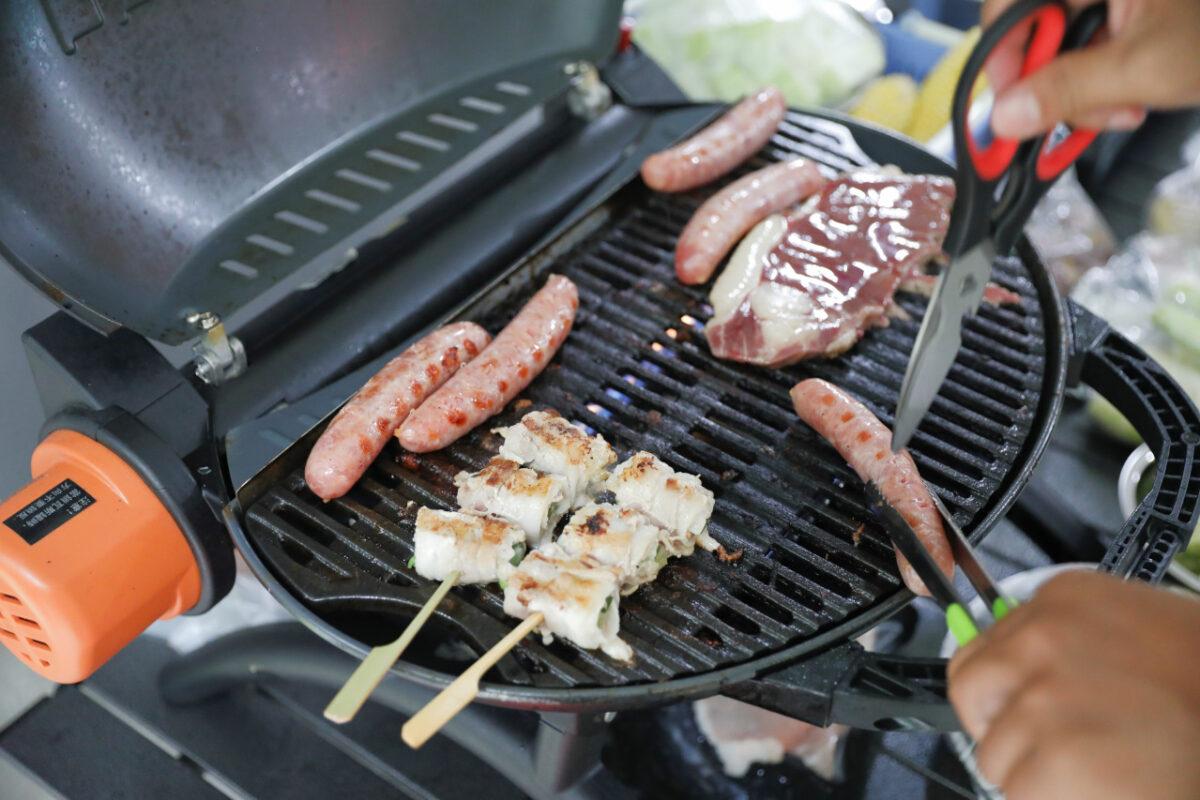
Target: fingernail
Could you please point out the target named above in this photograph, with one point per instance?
(1127, 119)
(987, 712)
(1016, 114)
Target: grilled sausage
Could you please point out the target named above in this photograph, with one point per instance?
(866, 444)
(726, 216)
(483, 387)
(362, 427)
(720, 147)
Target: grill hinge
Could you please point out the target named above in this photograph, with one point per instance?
(218, 357)
(588, 96)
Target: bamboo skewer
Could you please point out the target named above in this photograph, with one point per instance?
(455, 697)
(350, 698)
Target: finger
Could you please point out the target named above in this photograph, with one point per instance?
(989, 638)
(992, 9)
(1116, 118)
(964, 654)
(1074, 84)
(1035, 776)
(1021, 646)
(979, 692)
(1018, 728)
(1003, 66)
(1085, 82)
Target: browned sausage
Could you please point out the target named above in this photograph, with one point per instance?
(483, 387)
(362, 427)
(726, 216)
(720, 147)
(866, 444)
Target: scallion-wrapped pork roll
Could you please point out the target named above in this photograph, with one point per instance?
(675, 500)
(483, 549)
(507, 490)
(578, 597)
(546, 442)
(624, 538)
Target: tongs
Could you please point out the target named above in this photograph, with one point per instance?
(963, 626)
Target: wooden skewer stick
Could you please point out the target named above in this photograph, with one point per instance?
(455, 697)
(370, 672)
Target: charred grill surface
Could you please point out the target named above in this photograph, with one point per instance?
(636, 369)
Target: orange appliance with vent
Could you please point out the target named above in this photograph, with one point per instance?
(89, 557)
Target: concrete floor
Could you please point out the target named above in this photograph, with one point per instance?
(22, 689)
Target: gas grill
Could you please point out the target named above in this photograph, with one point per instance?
(636, 370)
(454, 203)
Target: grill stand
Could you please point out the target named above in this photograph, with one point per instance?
(555, 755)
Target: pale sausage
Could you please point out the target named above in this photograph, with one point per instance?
(726, 216)
(362, 427)
(720, 147)
(483, 387)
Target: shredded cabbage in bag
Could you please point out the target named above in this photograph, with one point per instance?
(817, 52)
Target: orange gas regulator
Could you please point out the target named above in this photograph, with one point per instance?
(113, 532)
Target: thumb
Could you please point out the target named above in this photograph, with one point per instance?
(1076, 86)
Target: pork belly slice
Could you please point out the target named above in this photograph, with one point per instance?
(811, 282)
(507, 490)
(678, 502)
(483, 549)
(579, 598)
(546, 442)
(624, 538)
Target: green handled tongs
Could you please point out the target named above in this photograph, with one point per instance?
(962, 625)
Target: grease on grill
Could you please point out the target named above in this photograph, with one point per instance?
(725, 555)
(636, 370)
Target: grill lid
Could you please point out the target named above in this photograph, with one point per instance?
(180, 159)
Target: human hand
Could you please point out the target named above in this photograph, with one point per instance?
(1151, 59)
(1090, 690)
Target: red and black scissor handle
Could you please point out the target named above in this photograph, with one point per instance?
(1038, 162)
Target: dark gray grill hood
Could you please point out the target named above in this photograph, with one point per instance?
(162, 159)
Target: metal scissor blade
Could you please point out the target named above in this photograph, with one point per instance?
(965, 556)
(913, 549)
(958, 291)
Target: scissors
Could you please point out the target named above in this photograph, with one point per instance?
(982, 227)
(963, 626)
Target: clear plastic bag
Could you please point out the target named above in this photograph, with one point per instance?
(1174, 208)
(1069, 232)
(1150, 292)
(1175, 205)
(817, 52)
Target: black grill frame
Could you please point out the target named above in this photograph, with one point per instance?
(985, 501)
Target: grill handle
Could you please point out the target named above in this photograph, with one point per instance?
(848, 685)
(1166, 419)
